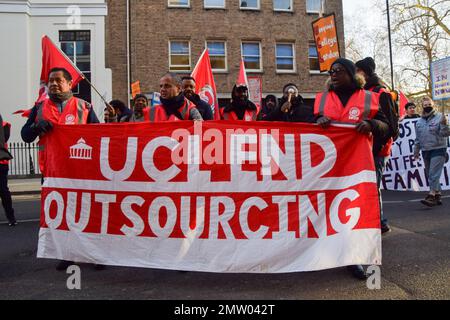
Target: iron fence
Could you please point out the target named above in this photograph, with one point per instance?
(25, 162)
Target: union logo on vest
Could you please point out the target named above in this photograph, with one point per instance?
(354, 113)
(70, 119)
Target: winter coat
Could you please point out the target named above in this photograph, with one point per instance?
(431, 133)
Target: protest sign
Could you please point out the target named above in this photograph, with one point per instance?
(403, 172)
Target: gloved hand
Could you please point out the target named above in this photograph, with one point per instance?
(364, 127)
(324, 122)
(43, 127)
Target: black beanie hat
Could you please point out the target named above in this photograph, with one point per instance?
(348, 65)
(367, 65)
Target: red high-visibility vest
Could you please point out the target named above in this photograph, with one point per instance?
(157, 113)
(75, 112)
(362, 105)
(249, 115)
(5, 124)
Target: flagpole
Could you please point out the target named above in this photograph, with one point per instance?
(79, 71)
(390, 44)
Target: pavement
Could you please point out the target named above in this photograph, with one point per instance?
(416, 265)
(24, 186)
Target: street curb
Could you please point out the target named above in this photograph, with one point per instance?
(21, 193)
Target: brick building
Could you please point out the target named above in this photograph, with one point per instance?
(274, 37)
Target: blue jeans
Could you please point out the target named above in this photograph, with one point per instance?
(434, 164)
(380, 165)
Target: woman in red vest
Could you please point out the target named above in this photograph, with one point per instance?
(240, 108)
(5, 156)
(347, 102)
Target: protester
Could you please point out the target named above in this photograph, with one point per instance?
(60, 108)
(188, 87)
(174, 105)
(346, 101)
(410, 108)
(292, 107)
(270, 104)
(240, 107)
(366, 68)
(5, 156)
(432, 131)
(115, 110)
(141, 110)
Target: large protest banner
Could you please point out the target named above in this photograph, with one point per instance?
(403, 172)
(210, 196)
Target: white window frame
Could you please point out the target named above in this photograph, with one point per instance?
(312, 12)
(283, 10)
(214, 7)
(260, 56)
(170, 54)
(258, 7)
(294, 64)
(310, 44)
(226, 55)
(179, 5)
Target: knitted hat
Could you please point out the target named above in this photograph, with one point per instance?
(367, 65)
(348, 65)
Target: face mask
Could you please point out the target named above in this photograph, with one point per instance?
(428, 109)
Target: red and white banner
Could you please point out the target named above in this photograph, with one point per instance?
(210, 196)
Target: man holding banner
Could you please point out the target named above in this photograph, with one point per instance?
(432, 131)
(347, 102)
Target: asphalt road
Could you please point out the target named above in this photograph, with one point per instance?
(416, 265)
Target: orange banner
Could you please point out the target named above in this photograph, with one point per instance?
(135, 88)
(327, 44)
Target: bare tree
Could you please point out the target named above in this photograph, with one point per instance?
(420, 34)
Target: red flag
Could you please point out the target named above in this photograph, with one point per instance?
(205, 85)
(53, 57)
(242, 77)
(402, 101)
(23, 113)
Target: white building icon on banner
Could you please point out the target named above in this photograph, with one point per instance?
(81, 151)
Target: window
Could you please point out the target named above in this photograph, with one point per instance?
(179, 56)
(214, 3)
(249, 4)
(313, 58)
(251, 53)
(217, 55)
(77, 46)
(179, 3)
(285, 57)
(313, 6)
(282, 5)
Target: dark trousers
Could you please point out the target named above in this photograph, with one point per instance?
(5, 194)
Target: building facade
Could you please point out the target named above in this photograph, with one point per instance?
(77, 27)
(145, 39)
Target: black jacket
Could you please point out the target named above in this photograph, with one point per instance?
(203, 107)
(4, 135)
(387, 105)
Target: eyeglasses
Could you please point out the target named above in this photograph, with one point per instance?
(333, 71)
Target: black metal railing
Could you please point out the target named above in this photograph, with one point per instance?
(25, 162)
